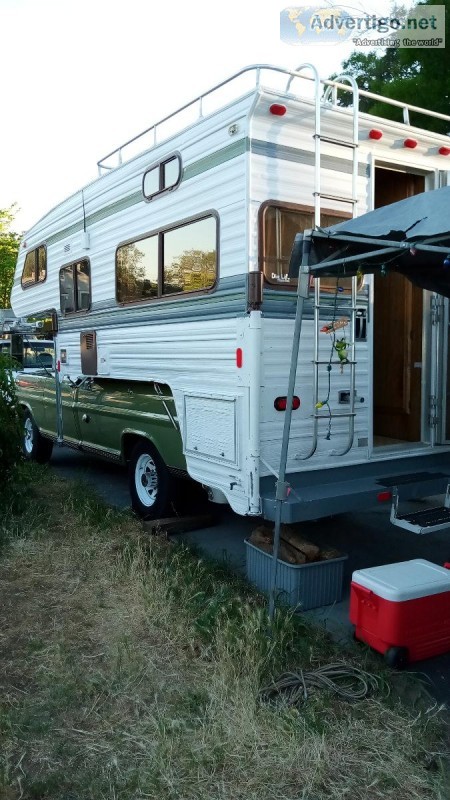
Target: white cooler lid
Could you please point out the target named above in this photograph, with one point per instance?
(405, 580)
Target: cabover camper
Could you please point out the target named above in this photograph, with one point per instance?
(168, 281)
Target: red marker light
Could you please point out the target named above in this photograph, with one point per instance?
(411, 143)
(239, 357)
(444, 151)
(375, 134)
(58, 365)
(384, 497)
(277, 109)
(280, 403)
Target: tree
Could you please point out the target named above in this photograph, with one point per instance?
(10, 431)
(9, 247)
(191, 271)
(417, 76)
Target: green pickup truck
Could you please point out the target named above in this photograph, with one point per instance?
(131, 423)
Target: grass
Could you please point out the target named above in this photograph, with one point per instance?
(131, 668)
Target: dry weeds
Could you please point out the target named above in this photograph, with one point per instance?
(130, 670)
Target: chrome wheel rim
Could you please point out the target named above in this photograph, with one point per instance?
(146, 480)
(28, 436)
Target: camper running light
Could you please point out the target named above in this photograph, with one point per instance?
(280, 403)
(277, 109)
(411, 143)
(444, 151)
(375, 134)
(239, 357)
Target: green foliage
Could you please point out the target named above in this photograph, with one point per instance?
(10, 431)
(420, 77)
(9, 247)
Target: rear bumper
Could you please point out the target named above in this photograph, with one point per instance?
(320, 493)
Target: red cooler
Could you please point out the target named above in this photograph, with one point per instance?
(402, 610)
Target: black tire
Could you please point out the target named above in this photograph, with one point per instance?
(396, 657)
(34, 446)
(150, 482)
(190, 497)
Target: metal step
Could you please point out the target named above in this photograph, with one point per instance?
(428, 520)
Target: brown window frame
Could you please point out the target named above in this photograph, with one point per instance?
(301, 209)
(72, 265)
(36, 280)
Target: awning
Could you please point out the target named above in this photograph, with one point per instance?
(411, 237)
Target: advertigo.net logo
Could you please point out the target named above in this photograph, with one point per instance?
(422, 26)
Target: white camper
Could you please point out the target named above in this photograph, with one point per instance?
(172, 267)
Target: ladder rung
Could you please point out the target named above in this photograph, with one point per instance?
(340, 142)
(338, 307)
(352, 200)
(337, 363)
(333, 415)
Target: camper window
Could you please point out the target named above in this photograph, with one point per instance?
(280, 223)
(137, 270)
(162, 177)
(75, 287)
(35, 267)
(182, 259)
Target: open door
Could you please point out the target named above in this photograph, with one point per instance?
(398, 323)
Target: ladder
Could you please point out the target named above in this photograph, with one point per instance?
(347, 310)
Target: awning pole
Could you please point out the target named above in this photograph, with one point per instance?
(282, 488)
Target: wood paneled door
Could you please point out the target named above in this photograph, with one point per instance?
(398, 322)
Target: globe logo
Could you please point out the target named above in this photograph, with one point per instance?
(316, 25)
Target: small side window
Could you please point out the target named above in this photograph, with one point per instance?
(35, 267)
(137, 270)
(190, 257)
(162, 177)
(75, 287)
(151, 182)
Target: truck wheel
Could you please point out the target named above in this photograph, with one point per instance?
(34, 446)
(396, 657)
(150, 481)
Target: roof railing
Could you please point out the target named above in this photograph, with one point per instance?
(257, 70)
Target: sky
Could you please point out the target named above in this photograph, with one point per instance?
(80, 77)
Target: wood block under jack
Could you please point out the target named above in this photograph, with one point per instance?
(169, 525)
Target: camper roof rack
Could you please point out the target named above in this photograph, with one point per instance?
(195, 109)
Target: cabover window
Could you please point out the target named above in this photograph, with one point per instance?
(280, 223)
(182, 259)
(35, 267)
(162, 177)
(75, 287)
